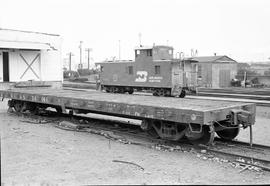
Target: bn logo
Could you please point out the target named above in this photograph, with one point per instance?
(141, 76)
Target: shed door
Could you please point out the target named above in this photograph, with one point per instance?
(26, 65)
(224, 78)
(5, 67)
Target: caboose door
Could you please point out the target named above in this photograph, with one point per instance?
(177, 76)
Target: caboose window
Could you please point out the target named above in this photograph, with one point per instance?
(157, 69)
(137, 52)
(149, 52)
(130, 70)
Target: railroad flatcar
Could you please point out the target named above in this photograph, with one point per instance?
(154, 69)
(197, 120)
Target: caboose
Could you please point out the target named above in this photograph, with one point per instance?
(154, 69)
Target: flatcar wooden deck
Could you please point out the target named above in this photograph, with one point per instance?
(134, 106)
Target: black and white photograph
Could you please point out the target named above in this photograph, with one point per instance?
(134, 92)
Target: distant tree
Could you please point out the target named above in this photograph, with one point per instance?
(241, 66)
(249, 72)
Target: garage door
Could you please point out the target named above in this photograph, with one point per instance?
(224, 78)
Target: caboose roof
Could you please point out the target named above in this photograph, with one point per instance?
(116, 61)
(151, 47)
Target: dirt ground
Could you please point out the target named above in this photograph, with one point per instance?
(40, 154)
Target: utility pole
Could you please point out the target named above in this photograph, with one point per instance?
(70, 54)
(140, 39)
(88, 50)
(80, 54)
(119, 50)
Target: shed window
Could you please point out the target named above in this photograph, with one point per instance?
(157, 69)
(130, 70)
(149, 52)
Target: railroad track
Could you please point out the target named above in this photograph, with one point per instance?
(235, 95)
(237, 152)
(260, 97)
(242, 153)
(236, 90)
(260, 100)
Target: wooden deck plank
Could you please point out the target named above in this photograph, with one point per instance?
(166, 102)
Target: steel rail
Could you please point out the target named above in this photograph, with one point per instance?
(245, 144)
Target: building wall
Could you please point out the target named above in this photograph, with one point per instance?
(206, 75)
(217, 69)
(212, 72)
(51, 66)
(1, 66)
(47, 66)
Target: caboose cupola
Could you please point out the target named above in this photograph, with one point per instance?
(159, 52)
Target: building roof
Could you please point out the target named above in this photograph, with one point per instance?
(211, 59)
(25, 45)
(17, 39)
(14, 30)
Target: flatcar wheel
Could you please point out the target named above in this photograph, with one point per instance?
(162, 92)
(183, 94)
(155, 93)
(115, 90)
(59, 110)
(228, 134)
(206, 137)
(167, 93)
(147, 127)
(111, 89)
(159, 92)
(18, 106)
(130, 91)
(152, 132)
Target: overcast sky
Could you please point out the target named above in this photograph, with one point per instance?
(237, 28)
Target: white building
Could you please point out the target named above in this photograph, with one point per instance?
(30, 57)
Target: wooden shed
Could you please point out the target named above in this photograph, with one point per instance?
(215, 71)
(30, 58)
